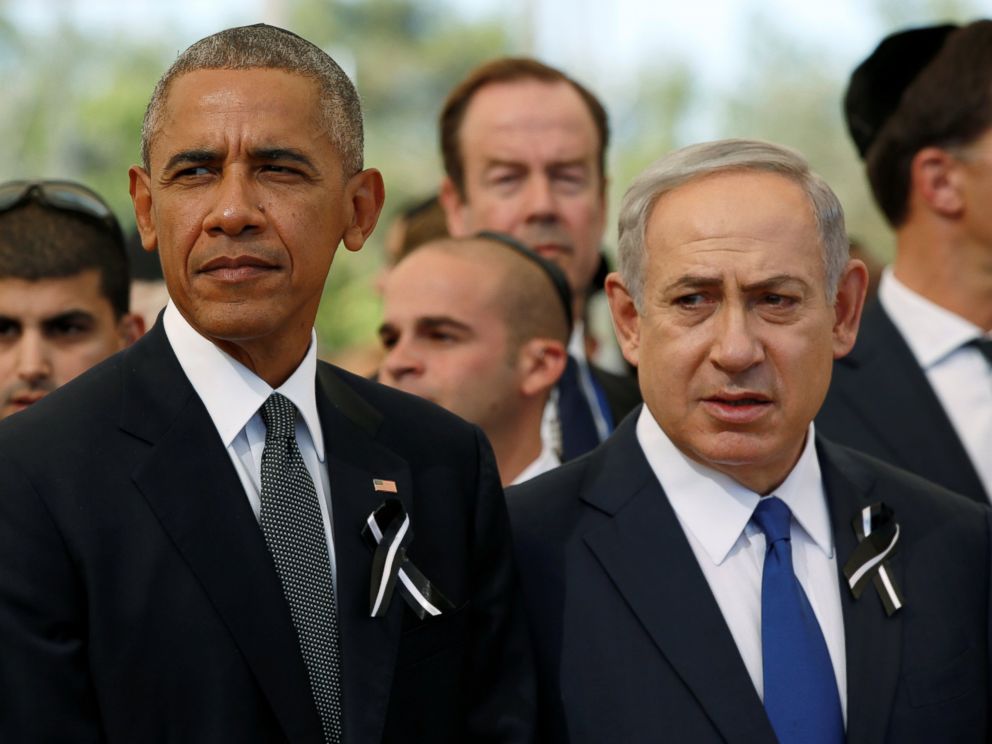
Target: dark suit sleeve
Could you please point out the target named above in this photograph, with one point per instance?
(45, 692)
(501, 663)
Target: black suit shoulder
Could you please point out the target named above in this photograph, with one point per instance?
(881, 402)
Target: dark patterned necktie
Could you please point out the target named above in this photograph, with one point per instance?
(294, 532)
(801, 697)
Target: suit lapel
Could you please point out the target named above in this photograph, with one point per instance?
(192, 487)
(643, 549)
(354, 459)
(881, 351)
(872, 639)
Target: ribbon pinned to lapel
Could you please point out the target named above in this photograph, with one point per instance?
(387, 531)
(878, 534)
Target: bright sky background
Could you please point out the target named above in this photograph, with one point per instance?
(615, 37)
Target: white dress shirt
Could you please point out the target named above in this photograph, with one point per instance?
(547, 460)
(958, 374)
(234, 395)
(715, 514)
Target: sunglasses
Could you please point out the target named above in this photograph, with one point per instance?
(63, 195)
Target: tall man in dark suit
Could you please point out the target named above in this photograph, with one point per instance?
(715, 572)
(916, 390)
(213, 537)
(524, 150)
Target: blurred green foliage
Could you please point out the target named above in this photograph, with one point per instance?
(73, 100)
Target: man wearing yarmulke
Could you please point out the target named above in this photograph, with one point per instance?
(917, 388)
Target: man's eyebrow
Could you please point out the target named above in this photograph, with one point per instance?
(698, 281)
(281, 154)
(439, 321)
(191, 157)
(69, 316)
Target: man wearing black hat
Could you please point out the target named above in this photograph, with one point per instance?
(917, 388)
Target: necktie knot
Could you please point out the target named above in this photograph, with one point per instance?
(774, 519)
(279, 415)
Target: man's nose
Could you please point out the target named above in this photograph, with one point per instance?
(33, 359)
(736, 346)
(402, 361)
(542, 203)
(237, 207)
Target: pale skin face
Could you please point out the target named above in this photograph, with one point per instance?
(246, 202)
(531, 162)
(52, 330)
(446, 340)
(736, 336)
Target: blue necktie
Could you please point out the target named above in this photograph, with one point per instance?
(578, 428)
(801, 697)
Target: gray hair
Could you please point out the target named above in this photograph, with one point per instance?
(262, 46)
(696, 161)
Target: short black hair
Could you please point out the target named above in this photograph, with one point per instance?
(38, 241)
(925, 87)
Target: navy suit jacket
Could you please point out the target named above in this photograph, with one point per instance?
(881, 403)
(138, 602)
(632, 646)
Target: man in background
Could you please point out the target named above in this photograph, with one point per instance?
(63, 288)
(917, 388)
(479, 326)
(524, 150)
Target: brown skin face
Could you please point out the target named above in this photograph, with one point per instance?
(52, 330)
(246, 203)
(531, 161)
(736, 337)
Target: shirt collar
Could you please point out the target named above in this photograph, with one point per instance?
(577, 342)
(715, 508)
(931, 331)
(231, 392)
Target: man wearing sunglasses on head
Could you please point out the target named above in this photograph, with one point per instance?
(63, 288)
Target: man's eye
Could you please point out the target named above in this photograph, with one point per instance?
(388, 342)
(442, 337)
(275, 168)
(194, 172)
(690, 300)
(779, 301)
(8, 329)
(68, 328)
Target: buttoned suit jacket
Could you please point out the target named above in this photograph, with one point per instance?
(881, 403)
(138, 601)
(632, 646)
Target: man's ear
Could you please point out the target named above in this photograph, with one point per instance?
(130, 328)
(848, 305)
(366, 193)
(141, 197)
(935, 176)
(626, 319)
(454, 209)
(541, 362)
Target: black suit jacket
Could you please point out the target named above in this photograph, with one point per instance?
(880, 402)
(632, 646)
(138, 602)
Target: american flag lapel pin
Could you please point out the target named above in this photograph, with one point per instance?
(384, 486)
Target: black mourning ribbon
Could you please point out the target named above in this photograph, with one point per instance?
(878, 537)
(388, 532)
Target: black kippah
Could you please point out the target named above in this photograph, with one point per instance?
(877, 84)
(553, 272)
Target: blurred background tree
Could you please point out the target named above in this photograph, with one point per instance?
(76, 75)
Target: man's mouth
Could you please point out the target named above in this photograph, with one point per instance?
(737, 407)
(236, 268)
